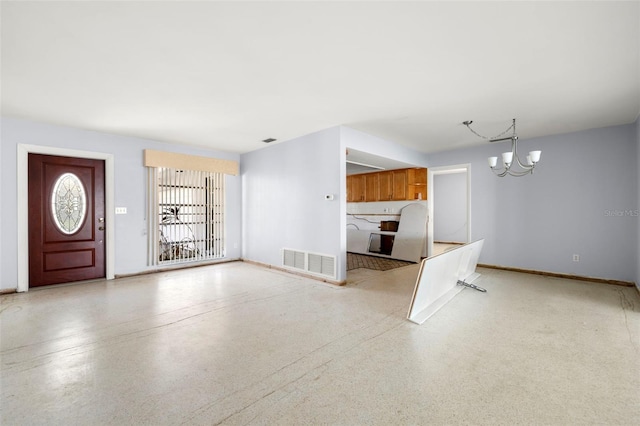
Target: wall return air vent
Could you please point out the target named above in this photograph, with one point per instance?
(311, 263)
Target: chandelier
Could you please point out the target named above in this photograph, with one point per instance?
(508, 166)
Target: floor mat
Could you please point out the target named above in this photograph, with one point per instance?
(355, 261)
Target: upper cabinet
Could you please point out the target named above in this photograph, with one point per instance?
(371, 187)
(392, 185)
(399, 178)
(385, 188)
(416, 184)
(355, 188)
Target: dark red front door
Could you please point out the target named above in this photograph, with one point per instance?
(66, 219)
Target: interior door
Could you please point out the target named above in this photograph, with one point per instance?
(66, 219)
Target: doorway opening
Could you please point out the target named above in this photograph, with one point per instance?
(386, 213)
(449, 206)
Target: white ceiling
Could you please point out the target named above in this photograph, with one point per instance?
(229, 74)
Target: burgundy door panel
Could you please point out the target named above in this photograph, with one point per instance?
(71, 247)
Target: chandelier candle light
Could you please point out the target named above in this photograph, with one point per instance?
(508, 157)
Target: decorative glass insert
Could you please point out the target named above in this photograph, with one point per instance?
(68, 203)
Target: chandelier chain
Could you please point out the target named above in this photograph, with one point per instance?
(513, 125)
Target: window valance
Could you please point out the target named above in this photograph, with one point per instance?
(174, 160)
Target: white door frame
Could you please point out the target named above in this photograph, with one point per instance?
(433, 171)
(23, 204)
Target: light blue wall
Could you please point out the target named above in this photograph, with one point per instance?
(130, 190)
(536, 222)
(450, 207)
(284, 187)
(569, 206)
(638, 204)
(2, 225)
(284, 206)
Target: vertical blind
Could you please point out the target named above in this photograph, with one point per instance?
(186, 215)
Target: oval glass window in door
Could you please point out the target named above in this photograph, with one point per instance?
(68, 203)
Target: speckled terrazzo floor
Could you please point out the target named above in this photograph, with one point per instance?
(238, 344)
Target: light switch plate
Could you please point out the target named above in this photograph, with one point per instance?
(121, 210)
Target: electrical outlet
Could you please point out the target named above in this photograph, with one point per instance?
(576, 258)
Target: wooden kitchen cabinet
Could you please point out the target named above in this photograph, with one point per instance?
(371, 187)
(385, 186)
(417, 184)
(355, 188)
(392, 185)
(399, 181)
(417, 176)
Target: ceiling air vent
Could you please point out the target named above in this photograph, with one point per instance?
(268, 140)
